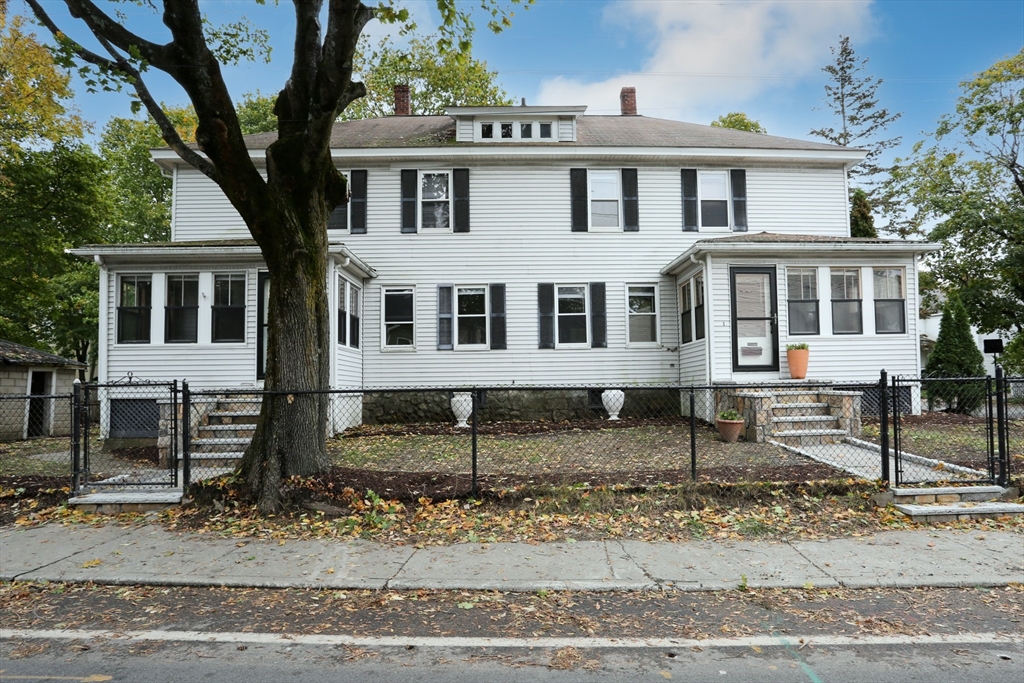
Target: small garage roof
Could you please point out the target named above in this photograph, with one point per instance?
(18, 354)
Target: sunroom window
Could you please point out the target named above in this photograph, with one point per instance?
(890, 301)
(802, 286)
(846, 301)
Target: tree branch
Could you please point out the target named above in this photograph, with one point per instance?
(102, 25)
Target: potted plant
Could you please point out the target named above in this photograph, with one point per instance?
(730, 425)
(796, 357)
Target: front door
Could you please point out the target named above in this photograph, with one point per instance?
(755, 320)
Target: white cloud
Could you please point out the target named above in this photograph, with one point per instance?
(707, 58)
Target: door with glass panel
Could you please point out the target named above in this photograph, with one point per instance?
(755, 329)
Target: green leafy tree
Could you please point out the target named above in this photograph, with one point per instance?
(1012, 359)
(965, 190)
(737, 120)
(852, 97)
(955, 355)
(862, 223)
(55, 199)
(286, 211)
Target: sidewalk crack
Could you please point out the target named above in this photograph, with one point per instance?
(815, 564)
(15, 577)
(387, 584)
(632, 559)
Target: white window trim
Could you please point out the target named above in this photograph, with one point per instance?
(586, 316)
(657, 316)
(206, 310)
(156, 323)
(345, 290)
(450, 200)
(516, 131)
(455, 319)
(686, 286)
(590, 201)
(729, 226)
(383, 324)
(802, 336)
(906, 323)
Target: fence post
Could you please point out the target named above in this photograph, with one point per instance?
(172, 454)
(990, 430)
(85, 462)
(883, 414)
(76, 426)
(473, 485)
(1002, 426)
(186, 436)
(693, 437)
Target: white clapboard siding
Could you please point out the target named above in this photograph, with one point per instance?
(811, 202)
(204, 365)
(857, 357)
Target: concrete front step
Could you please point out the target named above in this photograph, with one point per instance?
(788, 421)
(239, 431)
(951, 494)
(219, 445)
(115, 502)
(959, 511)
(802, 408)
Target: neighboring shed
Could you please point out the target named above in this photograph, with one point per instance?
(29, 381)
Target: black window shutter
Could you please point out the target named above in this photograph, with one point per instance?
(598, 317)
(738, 178)
(338, 220)
(578, 190)
(689, 179)
(357, 199)
(498, 334)
(409, 200)
(460, 193)
(630, 201)
(546, 310)
(445, 337)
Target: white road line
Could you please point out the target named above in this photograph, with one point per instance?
(429, 641)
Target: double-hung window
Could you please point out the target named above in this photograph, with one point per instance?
(604, 199)
(399, 318)
(134, 307)
(228, 307)
(686, 312)
(802, 288)
(348, 314)
(435, 200)
(571, 314)
(890, 301)
(471, 317)
(698, 306)
(846, 301)
(642, 311)
(181, 320)
(714, 199)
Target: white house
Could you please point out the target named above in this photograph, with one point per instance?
(535, 245)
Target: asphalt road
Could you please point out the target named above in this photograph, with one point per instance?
(227, 663)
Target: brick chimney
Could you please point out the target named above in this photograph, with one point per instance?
(627, 100)
(402, 105)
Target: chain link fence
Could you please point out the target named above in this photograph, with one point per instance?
(35, 433)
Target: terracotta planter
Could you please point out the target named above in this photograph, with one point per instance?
(730, 430)
(797, 359)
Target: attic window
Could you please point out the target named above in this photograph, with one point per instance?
(545, 130)
(487, 130)
(506, 131)
(526, 130)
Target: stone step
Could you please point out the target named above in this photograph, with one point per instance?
(224, 417)
(239, 405)
(225, 431)
(218, 445)
(222, 459)
(950, 494)
(959, 511)
(115, 502)
(809, 437)
(800, 408)
(788, 419)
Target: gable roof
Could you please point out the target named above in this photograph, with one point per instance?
(591, 131)
(18, 354)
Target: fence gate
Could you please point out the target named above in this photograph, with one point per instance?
(950, 429)
(125, 435)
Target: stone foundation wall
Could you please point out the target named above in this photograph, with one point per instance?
(516, 405)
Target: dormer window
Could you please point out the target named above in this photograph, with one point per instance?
(506, 131)
(487, 130)
(545, 130)
(526, 130)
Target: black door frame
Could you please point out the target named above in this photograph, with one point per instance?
(763, 270)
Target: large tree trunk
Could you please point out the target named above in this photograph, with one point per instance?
(290, 436)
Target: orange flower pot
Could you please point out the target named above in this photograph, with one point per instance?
(797, 359)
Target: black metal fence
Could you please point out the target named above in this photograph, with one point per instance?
(456, 440)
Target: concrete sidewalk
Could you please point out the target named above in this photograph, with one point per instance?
(150, 555)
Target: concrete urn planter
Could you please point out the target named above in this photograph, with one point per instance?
(613, 400)
(462, 407)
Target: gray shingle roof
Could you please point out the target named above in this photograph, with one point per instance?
(18, 354)
(591, 131)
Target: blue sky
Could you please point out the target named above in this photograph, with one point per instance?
(689, 59)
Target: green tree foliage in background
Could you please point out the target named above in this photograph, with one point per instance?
(737, 120)
(862, 223)
(965, 190)
(955, 355)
